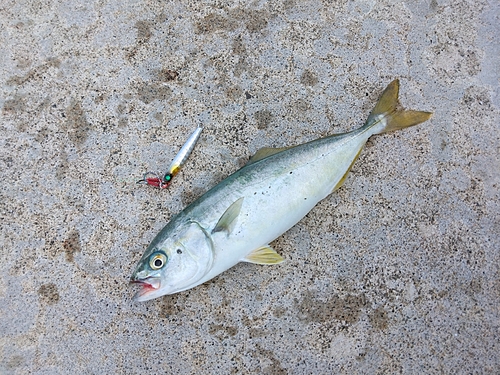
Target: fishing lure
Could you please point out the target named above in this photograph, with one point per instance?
(163, 182)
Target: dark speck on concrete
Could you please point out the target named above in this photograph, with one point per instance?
(308, 78)
(15, 105)
(275, 367)
(238, 46)
(227, 331)
(76, 123)
(36, 73)
(144, 32)
(147, 92)
(263, 118)
(234, 92)
(166, 75)
(49, 293)
(190, 195)
(71, 245)
(214, 22)
(347, 309)
(379, 318)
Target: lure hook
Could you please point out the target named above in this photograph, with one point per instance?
(154, 179)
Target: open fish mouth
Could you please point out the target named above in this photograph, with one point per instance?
(148, 286)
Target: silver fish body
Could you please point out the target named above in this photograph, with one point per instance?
(238, 218)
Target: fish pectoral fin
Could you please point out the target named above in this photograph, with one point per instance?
(264, 153)
(228, 218)
(264, 255)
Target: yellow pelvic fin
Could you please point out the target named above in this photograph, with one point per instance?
(342, 180)
(264, 255)
(228, 218)
(389, 109)
(264, 153)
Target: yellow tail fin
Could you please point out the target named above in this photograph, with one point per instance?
(390, 112)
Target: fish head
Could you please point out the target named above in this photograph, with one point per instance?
(175, 261)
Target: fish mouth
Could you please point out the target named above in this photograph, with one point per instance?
(149, 286)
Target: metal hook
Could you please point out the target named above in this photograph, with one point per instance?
(155, 180)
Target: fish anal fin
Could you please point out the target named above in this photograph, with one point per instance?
(228, 218)
(344, 177)
(264, 255)
(264, 153)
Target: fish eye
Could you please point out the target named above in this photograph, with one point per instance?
(157, 261)
(179, 251)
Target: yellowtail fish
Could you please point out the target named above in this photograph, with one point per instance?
(237, 219)
(175, 165)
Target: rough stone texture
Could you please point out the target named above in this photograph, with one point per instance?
(398, 272)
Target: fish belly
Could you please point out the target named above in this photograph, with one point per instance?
(278, 193)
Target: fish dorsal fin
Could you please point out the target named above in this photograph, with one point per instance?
(263, 255)
(265, 152)
(228, 218)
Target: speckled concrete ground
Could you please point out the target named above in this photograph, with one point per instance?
(398, 272)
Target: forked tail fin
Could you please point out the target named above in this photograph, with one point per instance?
(388, 115)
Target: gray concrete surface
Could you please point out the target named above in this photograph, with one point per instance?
(398, 272)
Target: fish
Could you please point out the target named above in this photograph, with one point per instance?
(176, 164)
(237, 219)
